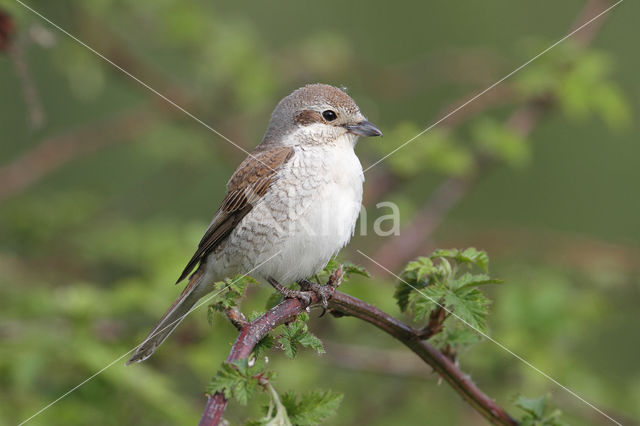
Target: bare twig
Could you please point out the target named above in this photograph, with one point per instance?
(342, 304)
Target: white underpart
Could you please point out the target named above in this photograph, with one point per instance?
(306, 217)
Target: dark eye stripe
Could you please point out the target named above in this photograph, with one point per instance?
(307, 117)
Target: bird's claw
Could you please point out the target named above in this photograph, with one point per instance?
(324, 292)
(305, 297)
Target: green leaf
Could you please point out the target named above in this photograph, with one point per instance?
(230, 290)
(433, 282)
(297, 333)
(352, 269)
(470, 256)
(236, 380)
(401, 294)
(418, 270)
(437, 150)
(473, 280)
(416, 275)
(533, 406)
(348, 269)
(310, 341)
(311, 408)
(609, 102)
(275, 414)
(469, 305)
(426, 300)
(264, 345)
(499, 140)
(538, 412)
(456, 336)
(332, 265)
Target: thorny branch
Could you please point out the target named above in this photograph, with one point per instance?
(341, 305)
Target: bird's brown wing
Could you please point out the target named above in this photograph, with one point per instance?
(248, 185)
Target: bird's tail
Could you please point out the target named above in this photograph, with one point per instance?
(170, 320)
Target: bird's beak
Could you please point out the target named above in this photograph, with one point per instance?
(364, 128)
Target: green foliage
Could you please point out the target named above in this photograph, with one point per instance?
(538, 412)
(275, 413)
(264, 345)
(436, 150)
(447, 280)
(348, 269)
(501, 142)
(90, 248)
(580, 81)
(297, 333)
(241, 380)
(229, 291)
(311, 408)
(469, 256)
(238, 380)
(454, 336)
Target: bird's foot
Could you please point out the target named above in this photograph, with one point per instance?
(303, 296)
(324, 291)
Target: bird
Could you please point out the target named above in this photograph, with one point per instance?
(290, 206)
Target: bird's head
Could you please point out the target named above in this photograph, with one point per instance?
(317, 114)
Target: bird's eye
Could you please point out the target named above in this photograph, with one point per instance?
(329, 115)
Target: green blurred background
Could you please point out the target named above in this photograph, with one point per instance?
(103, 202)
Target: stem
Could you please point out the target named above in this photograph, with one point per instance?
(342, 304)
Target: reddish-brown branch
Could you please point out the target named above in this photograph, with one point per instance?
(249, 336)
(342, 304)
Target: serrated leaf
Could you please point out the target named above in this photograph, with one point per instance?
(401, 294)
(332, 265)
(472, 280)
(311, 408)
(236, 380)
(352, 269)
(418, 270)
(469, 256)
(275, 414)
(264, 345)
(456, 336)
(297, 333)
(426, 300)
(538, 412)
(533, 406)
(469, 305)
(310, 341)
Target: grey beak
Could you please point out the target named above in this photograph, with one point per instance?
(364, 128)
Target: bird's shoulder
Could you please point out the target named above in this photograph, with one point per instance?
(257, 171)
(248, 184)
